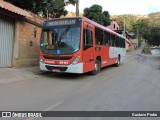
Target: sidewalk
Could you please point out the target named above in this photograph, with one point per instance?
(8, 75)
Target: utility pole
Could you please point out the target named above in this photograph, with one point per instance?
(77, 7)
(47, 5)
(66, 2)
(47, 14)
(124, 27)
(137, 34)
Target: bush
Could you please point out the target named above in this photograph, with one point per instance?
(146, 49)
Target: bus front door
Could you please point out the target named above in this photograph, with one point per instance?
(88, 48)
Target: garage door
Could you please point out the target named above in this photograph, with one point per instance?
(6, 41)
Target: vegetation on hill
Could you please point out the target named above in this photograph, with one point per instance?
(147, 27)
(155, 17)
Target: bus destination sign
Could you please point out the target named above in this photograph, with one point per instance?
(60, 22)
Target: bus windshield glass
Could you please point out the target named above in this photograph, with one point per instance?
(60, 39)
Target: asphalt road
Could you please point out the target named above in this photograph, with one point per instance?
(133, 86)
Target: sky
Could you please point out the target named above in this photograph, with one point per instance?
(117, 7)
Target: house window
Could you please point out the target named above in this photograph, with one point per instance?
(114, 26)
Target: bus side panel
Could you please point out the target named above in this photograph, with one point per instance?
(115, 52)
(104, 54)
(108, 55)
(113, 55)
(88, 59)
(122, 52)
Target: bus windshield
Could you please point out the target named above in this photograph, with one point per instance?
(60, 40)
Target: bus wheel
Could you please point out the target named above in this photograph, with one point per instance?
(97, 67)
(118, 62)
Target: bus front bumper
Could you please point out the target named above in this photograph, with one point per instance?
(72, 68)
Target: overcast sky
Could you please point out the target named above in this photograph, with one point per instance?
(116, 7)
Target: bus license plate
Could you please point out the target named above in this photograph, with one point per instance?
(56, 70)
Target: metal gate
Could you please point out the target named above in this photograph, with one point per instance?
(6, 41)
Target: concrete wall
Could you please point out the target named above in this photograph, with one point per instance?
(155, 51)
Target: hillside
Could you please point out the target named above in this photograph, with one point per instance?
(155, 17)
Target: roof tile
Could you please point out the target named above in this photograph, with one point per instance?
(12, 8)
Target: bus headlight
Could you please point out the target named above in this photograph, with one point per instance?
(76, 60)
(41, 61)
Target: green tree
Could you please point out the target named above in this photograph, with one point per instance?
(153, 36)
(142, 25)
(96, 14)
(56, 8)
(148, 31)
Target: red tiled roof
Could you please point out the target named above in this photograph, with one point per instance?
(12, 8)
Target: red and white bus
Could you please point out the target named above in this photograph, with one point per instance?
(79, 45)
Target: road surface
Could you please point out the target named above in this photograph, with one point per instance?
(133, 86)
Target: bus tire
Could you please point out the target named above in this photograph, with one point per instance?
(97, 67)
(118, 61)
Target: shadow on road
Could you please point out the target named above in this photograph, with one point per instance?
(66, 76)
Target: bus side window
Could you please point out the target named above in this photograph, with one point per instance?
(117, 41)
(106, 38)
(122, 43)
(87, 39)
(99, 36)
(113, 40)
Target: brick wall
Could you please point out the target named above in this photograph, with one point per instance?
(26, 46)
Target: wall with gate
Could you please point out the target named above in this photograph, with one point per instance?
(18, 46)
